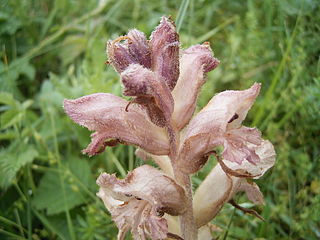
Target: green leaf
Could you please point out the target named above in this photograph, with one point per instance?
(7, 99)
(10, 117)
(12, 162)
(50, 194)
(50, 96)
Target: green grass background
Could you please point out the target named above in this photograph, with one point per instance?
(51, 50)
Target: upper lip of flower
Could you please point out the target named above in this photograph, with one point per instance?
(105, 114)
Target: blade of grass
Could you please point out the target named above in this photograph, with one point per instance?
(229, 225)
(20, 227)
(50, 39)
(29, 217)
(9, 222)
(131, 158)
(14, 236)
(49, 20)
(20, 192)
(191, 22)
(276, 78)
(182, 13)
(116, 162)
(56, 147)
(217, 29)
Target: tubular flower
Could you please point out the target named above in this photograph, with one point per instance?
(139, 201)
(219, 123)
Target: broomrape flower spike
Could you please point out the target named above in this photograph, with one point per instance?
(164, 82)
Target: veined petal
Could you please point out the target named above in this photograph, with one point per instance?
(252, 191)
(138, 216)
(105, 114)
(225, 110)
(164, 43)
(236, 103)
(149, 184)
(239, 145)
(151, 92)
(195, 62)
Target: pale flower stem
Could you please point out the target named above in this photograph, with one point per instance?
(187, 223)
(188, 227)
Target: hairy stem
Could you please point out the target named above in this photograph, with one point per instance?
(188, 227)
(187, 223)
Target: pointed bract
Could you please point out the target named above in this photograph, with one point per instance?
(164, 45)
(130, 49)
(105, 114)
(119, 56)
(139, 48)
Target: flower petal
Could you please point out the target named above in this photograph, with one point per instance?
(212, 127)
(165, 51)
(252, 191)
(195, 151)
(151, 92)
(148, 184)
(137, 215)
(196, 61)
(239, 145)
(105, 114)
(221, 109)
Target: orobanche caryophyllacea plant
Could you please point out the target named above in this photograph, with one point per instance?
(164, 82)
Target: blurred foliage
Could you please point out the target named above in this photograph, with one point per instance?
(51, 50)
